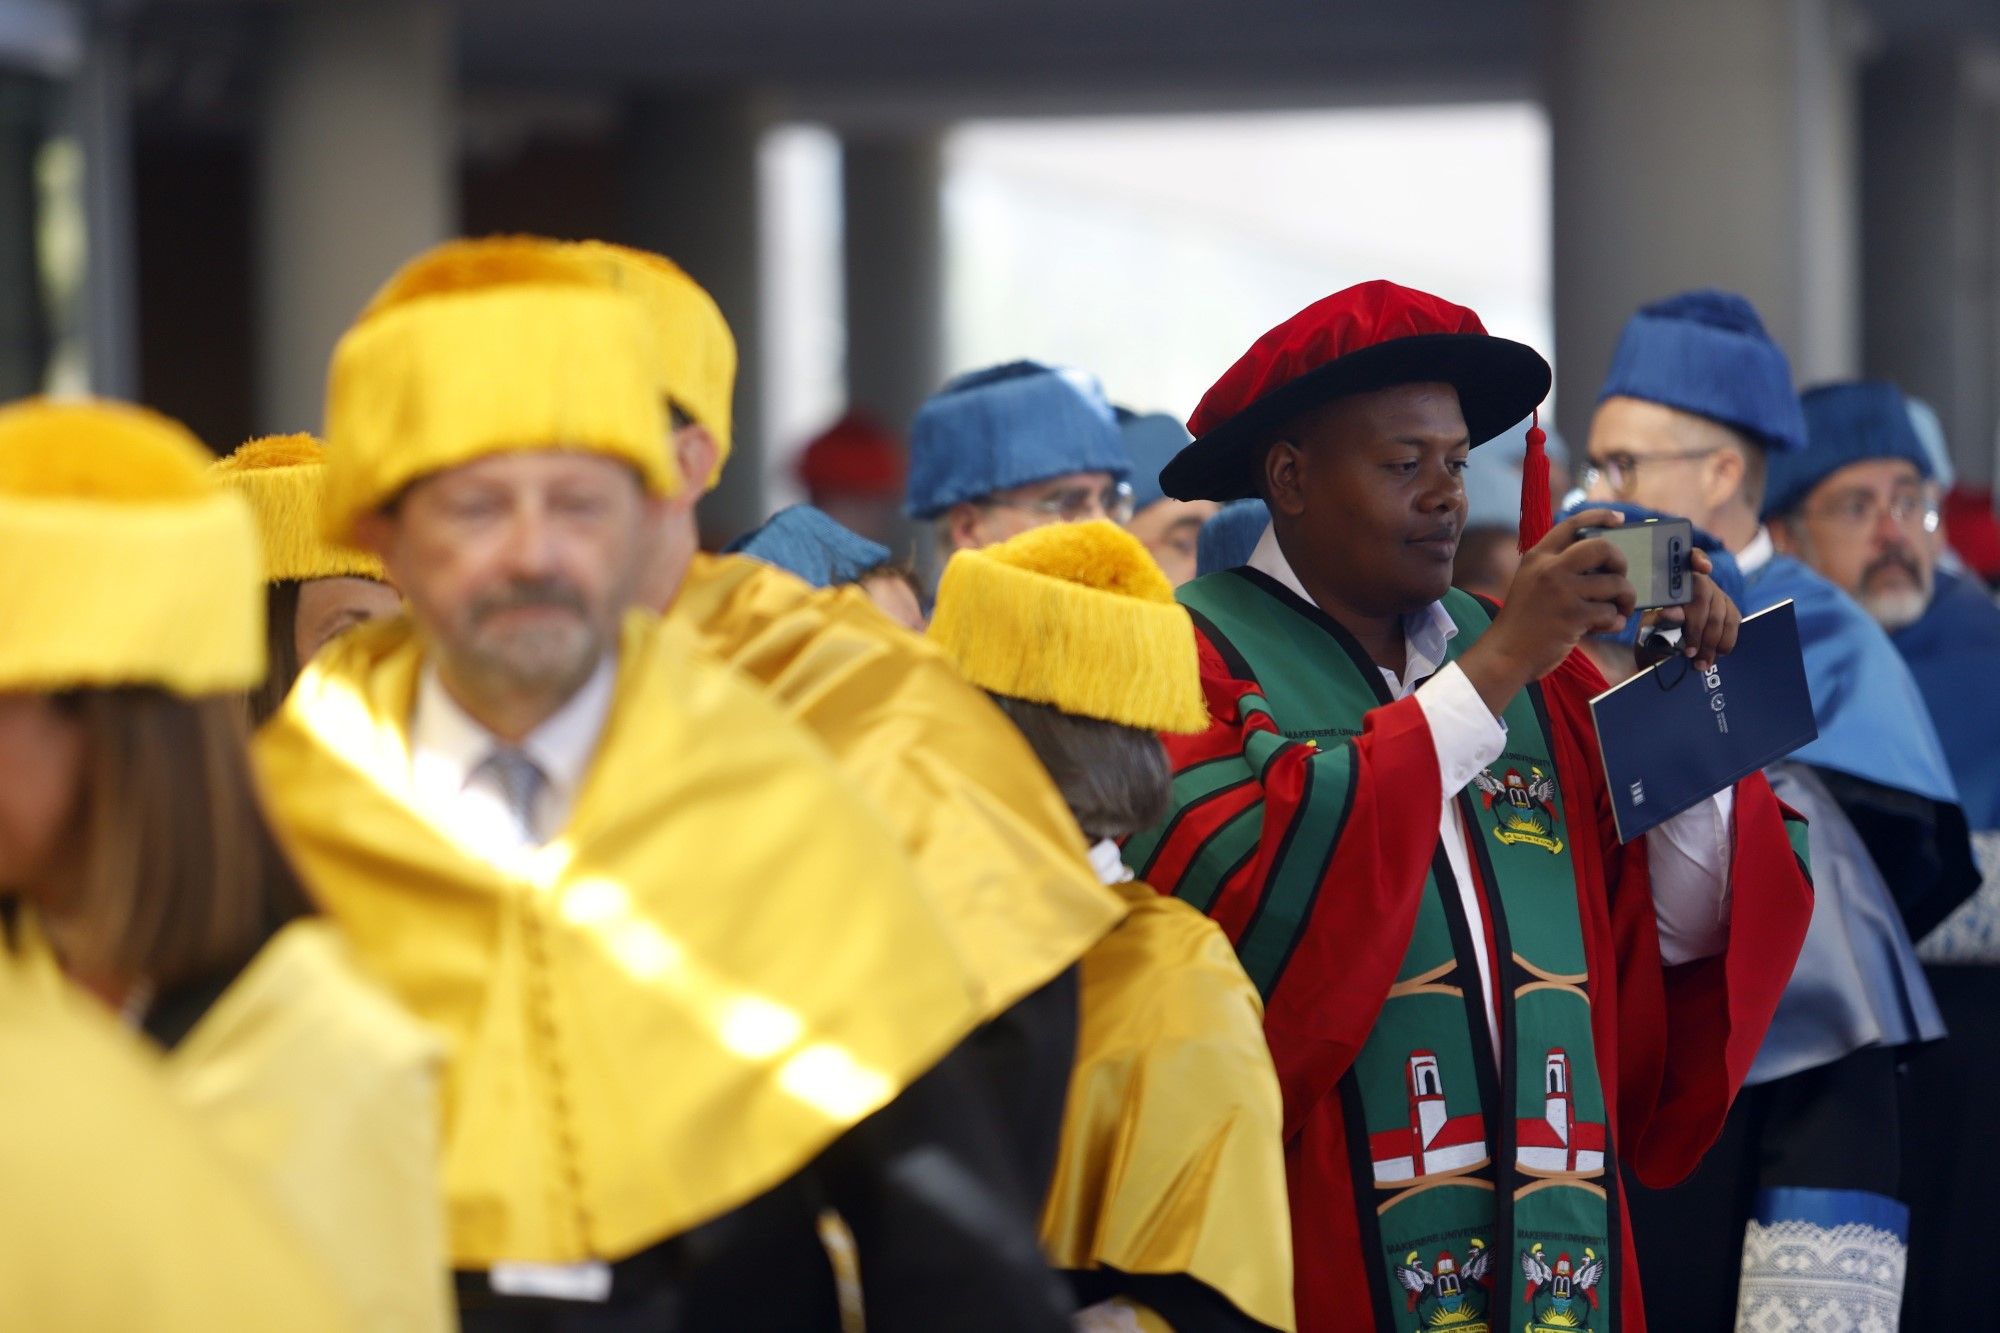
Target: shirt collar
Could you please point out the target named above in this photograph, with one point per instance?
(451, 744)
(1427, 634)
(1758, 553)
(1109, 864)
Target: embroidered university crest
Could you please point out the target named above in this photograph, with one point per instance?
(1562, 1296)
(1524, 808)
(1453, 1296)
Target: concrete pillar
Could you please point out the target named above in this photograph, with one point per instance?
(100, 110)
(892, 192)
(1931, 238)
(24, 323)
(689, 166)
(1702, 143)
(892, 189)
(356, 172)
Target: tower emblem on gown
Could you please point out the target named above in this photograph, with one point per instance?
(1562, 1297)
(1452, 1296)
(1524, 808)
(1559, 1143)
(1434, 1141)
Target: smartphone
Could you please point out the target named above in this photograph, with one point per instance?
(1658, 558)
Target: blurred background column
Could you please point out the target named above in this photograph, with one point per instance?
(893, 237)
(1702, 143)
(356, 171)
(1931, 237)
(690, 191)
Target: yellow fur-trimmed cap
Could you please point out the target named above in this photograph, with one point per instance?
(1077, 616)
(697, 350)
(487, 347)
(284, 479)
(122, 561)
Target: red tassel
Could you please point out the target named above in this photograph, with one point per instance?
(1537, 508)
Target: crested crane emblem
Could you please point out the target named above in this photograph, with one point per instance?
(1524, 809)
(1561, 1296)
(1452, 1296)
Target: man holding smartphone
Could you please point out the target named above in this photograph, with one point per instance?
(1481, 1005)
(1698, 411)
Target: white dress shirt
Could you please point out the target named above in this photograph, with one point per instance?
(463, 795)
(1689, 858)
(1758, 553)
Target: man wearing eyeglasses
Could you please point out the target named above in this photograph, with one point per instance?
(1858, 507)
(1698, 417)
(1018, 446)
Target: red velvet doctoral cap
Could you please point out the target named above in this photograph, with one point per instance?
(854, 456)
(1369, 336)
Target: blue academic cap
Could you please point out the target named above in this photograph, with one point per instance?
(1930, 432)
(1151, 439)
(1706, 352)
(1849, 422)
(992, 430)
(806, 542)
(1727, 574)
(1230, 536)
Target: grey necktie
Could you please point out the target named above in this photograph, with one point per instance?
(521, 780)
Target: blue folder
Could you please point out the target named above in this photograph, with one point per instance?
(1672, 736)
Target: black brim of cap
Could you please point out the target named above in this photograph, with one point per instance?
(1498, 381)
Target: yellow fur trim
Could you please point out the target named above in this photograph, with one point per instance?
(481, 263)
(1076, 616)
(121, 561)
(698, 352)
(284, 479)
(443, 380)
(90, 449)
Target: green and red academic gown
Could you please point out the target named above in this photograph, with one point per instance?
(1453, 1156)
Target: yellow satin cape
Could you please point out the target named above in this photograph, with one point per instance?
(1172, 1158)
(720, 965)
(117, 1213)
(995, 847)
(324, 1092)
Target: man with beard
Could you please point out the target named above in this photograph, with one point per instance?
(1696, 413)
(692, 994)
(1483, 1008)
(1858, 507)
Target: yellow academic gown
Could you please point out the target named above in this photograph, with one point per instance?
(996, 849)
(321, 1089)
(1172, 1159)
(116, 1211)
(718, 967)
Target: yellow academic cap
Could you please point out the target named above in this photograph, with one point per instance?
(122, 562)
(284, 479)
(1077, 616)
(486, 347)
(697, 350)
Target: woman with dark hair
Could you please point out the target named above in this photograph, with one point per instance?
(134, 860)
(1168, 1205)
(314, 590)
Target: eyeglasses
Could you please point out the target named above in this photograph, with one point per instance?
(1621, 471)
(1858, 511)
(1074, 504)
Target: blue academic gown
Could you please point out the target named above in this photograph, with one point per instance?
(1858, 982)
(1953, 651)
(1877, 748)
